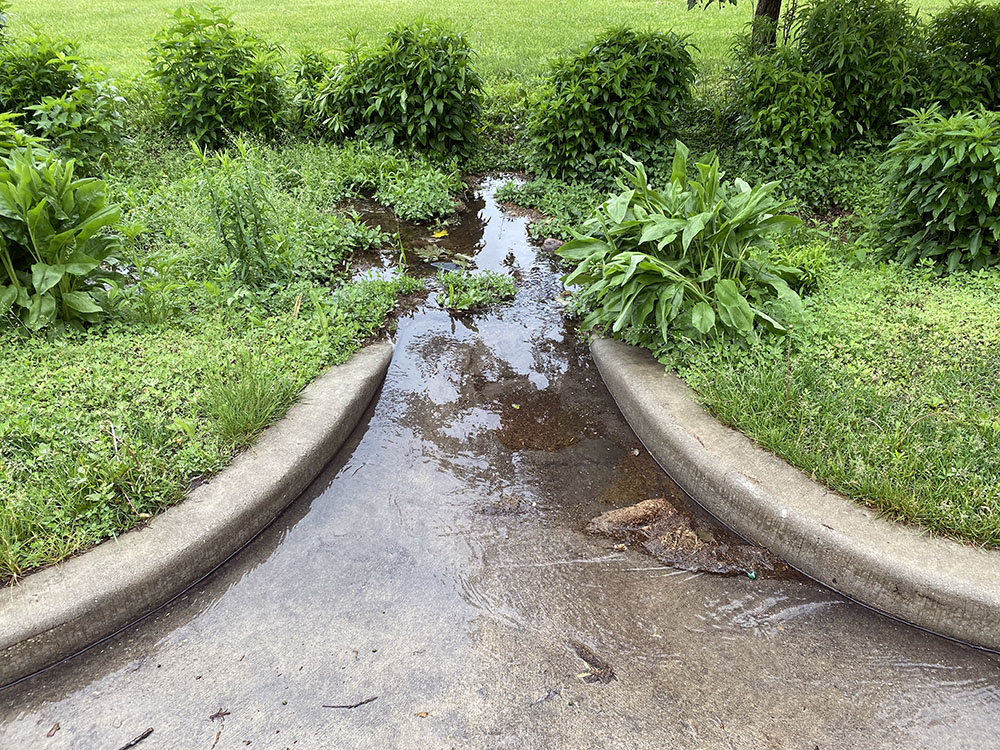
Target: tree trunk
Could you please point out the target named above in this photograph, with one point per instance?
(766, 22)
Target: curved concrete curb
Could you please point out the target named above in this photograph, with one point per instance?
(925, 580)
(60, 610)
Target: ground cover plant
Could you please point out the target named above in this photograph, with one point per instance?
(464, 290)
(886, 391)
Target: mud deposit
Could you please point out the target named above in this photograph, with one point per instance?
(438, 588)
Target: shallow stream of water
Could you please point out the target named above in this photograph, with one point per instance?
(440, 565)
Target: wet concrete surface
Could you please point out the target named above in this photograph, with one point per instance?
(441, 566)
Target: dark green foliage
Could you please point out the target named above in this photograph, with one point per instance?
(870, 51)
(310, 72)
(35, 68)
(503, 144)
(963, 62)
(215, 78)
(54, 240)
(787, 112)
(621, 93)
(83, 124)
(944, 174)
(416, 89)
(57, 98)
(689, 260)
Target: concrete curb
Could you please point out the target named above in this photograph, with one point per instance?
(929, 581)
(60, 610)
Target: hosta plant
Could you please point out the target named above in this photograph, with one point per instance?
(54, 238)
(689, 260)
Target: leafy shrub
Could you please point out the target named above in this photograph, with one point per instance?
(309, 72)
(418, 88)
(787, 111)
(944, 177)
(246, 223)
(465, 290)
(84, 124)
(620, 93)
(53, 240)
(689, 259)
(869, 50)
(35, 68)
(44, 81)
(964, 55)
(214, 78)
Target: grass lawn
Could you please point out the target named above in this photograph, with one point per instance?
(890, 394)
(515, 36)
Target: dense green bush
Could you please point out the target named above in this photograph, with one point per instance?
(34, 68)
(84, 124)
(963, 62)
(944, 174)
(870, 51)
(215, 78)
(57, 98)
(417, 88)
(310, 72)
(785, 110)
(54, 239)
(691, 259)
(621, 93)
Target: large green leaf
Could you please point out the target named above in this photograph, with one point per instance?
(703, 317)
(734, 310)
(82, 302)
(44, 276)
(8, 295)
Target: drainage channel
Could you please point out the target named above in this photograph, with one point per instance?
(437, 587)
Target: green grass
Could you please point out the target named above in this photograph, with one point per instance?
(890, 394)
(515, 36)
(100, 430)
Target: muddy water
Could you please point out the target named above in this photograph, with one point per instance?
(440, 567)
